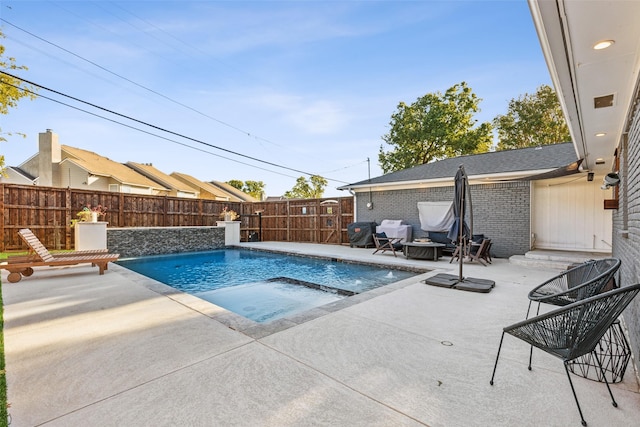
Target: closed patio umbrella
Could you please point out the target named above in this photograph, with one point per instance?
(460, 232)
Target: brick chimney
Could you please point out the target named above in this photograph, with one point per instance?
(49, 157)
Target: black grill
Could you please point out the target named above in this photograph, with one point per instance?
(361, 234)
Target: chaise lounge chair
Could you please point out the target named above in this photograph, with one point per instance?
(39, 256)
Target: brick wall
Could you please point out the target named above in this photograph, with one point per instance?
(500, 211)
(627, 246)
(134, 242)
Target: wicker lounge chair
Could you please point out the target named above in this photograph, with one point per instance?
(39, 256)
(574, 330)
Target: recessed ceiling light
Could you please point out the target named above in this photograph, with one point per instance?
(600, 134)
(603, 44)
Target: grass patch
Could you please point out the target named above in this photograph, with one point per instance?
(4, 420)
(4, 255)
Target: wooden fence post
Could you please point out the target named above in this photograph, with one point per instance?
(164, 211)
(121, 218)
(67, 216)
(288, 204)
(317, 233)
(339, 221)
(2, 245)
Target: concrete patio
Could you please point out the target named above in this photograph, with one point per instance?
(124, 350)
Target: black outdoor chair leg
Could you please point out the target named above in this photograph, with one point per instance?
(497, 356)
(584, 423)
(613, 400)
(531, 349)
(528, 309)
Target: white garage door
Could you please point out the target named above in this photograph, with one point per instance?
(568, 214)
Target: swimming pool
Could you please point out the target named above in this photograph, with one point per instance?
(263, 286)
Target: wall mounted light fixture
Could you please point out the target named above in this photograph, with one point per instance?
(610, 180)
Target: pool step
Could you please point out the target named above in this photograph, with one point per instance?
(325, 288)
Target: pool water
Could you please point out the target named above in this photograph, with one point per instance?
(263, 286)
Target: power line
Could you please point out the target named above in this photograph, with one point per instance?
(257, 138)
(249, 134)
(147, 132)
(348, 166)
(151, 125)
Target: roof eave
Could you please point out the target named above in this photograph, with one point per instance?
(548, 25)
(443, 181)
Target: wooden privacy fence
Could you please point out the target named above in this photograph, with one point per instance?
(48, 211)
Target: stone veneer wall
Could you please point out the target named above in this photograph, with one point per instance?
(626, 227)
(501, 212)
(141, 241)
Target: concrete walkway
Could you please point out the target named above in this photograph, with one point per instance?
(123, 350)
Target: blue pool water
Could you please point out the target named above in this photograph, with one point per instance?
(263, 286)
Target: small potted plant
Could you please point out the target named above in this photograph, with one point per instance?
(228, 214)
(92, 214)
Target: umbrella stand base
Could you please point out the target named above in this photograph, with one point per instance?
(466, 284)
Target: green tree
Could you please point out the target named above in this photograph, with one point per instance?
(236, 183)
(11, 90)
(435, 127)
(253, 188)
(307, 189)
(532, 120)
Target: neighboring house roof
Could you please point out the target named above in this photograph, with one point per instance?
(512, 163)
(15, 175)
(161, 178)
(233, 190)
(205, 187)
(103, 166)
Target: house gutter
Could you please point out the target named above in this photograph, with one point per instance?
(551, 24)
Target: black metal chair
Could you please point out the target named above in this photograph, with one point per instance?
(574, 330)
(583, 281)
(580, 282)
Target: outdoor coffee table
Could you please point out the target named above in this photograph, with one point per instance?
(423, 250)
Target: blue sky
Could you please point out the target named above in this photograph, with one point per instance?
(307, 85)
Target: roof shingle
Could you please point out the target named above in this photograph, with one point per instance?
(531, 159)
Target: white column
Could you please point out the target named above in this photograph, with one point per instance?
(90, 235)
(231, 232)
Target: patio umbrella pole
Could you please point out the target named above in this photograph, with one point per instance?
(461, 210)
(468, 200)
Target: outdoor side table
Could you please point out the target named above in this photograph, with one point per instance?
(423, 250)
(613, 351)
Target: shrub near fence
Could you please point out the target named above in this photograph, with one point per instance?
(48, 211)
